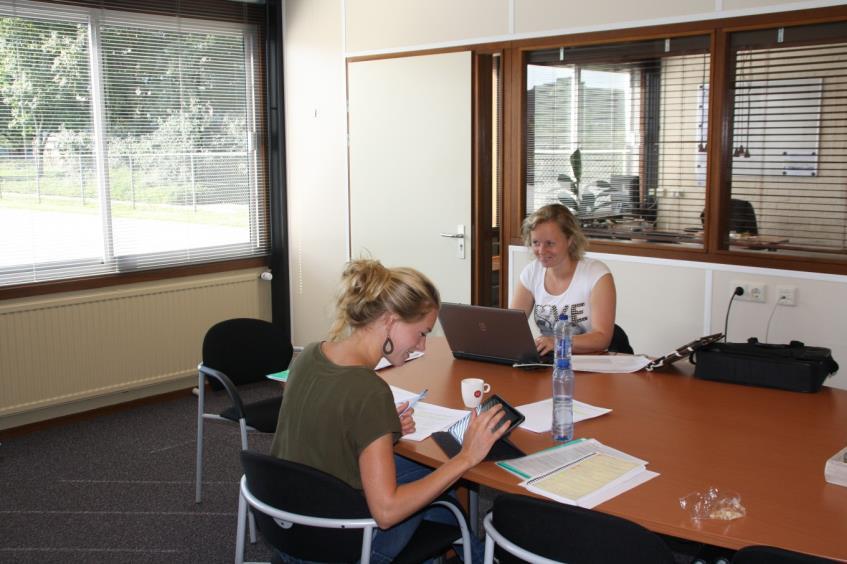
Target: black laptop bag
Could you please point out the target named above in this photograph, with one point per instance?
(794, 366)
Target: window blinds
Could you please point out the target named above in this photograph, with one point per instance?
(617, 134)
(130, 142)
(789, 141)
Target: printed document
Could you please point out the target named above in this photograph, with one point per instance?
(539, 415)
(429, 418)
(582, 472)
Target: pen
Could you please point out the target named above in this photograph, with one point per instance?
(413, 401)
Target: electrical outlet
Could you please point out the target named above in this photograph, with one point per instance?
(786, 295)
(753, 291)
(757, 292)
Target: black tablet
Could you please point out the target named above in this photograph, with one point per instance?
(513, 418)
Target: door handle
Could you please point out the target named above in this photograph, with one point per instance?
(459, 234)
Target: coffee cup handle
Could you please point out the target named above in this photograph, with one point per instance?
(486, 388)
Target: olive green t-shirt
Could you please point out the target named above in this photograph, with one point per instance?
(330, 413)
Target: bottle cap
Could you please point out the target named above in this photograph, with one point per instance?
(563, 317)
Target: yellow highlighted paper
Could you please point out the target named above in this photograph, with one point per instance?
(585, 477)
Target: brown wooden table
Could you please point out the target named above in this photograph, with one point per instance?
(770, 446)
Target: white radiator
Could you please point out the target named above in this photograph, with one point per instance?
(56, 350)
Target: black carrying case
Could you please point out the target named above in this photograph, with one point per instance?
(794, 366)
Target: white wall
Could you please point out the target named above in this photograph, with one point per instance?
(316, 153)
(664, 304)
(320, 33)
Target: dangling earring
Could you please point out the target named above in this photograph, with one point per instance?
(387, 346)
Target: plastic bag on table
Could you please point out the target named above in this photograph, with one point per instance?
(713, 504)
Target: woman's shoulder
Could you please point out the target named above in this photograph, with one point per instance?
(532, 270)
(593, 266)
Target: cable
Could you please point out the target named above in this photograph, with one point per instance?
(773, 311)
(739, 291)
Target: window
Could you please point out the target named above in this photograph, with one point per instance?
(613, 132)
(127, 142)
(788, 152)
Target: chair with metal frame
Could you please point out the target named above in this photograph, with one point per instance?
(310, 515)
(534, 530)
(237, 352)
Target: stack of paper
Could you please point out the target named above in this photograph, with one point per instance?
(835, 470)
(429, 418)
(609, 363)
(583, 472)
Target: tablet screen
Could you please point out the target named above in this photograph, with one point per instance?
(513, 418)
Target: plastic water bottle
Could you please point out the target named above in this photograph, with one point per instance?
(562, 336)
(563, 381)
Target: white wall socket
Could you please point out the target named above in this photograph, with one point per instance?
(786, 295)
(753, 291)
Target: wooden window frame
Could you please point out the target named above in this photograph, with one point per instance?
(714, 248)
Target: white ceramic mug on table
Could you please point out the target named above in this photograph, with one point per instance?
(472, 391)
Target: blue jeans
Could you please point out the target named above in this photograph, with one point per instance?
(389, 543)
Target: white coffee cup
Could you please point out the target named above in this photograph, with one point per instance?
(472, 391)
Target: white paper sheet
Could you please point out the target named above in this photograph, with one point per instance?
(539, 415)
(429, 418)
(383, 362)
(609, 363)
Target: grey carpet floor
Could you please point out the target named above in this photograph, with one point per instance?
(119, 487)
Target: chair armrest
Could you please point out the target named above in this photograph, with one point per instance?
(229, 387)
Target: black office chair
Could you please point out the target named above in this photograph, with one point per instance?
(773, 555)
(523, 528)
(742, 217)
(237, 352)
(311, 515)
(620, 342)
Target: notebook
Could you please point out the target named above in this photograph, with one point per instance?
(489, 334)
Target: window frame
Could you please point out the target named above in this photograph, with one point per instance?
(115, 269)
(717, 198)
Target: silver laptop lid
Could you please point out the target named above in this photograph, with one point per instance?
(488, 333)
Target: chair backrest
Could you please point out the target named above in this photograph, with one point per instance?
(620, 342)
(300, 489)
(742, 217)
(574, 534)
(246, 350)
(773, 555)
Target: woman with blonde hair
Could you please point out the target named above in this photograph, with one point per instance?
(339, 416)
(562, 280)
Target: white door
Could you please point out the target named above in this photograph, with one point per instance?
(410, 166)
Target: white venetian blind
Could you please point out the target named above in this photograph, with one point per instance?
(134, 142)
(614, 132)
(789, 141)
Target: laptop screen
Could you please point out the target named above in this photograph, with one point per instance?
(488, 334)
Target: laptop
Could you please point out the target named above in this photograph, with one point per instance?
(489, 334)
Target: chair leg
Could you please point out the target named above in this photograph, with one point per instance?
(367, 537)
(489, 550)
(198, 478)
(239, 539)
(242, 424)
(473, 510)
(463, 527)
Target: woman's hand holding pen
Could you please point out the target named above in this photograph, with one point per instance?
(407, 422)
